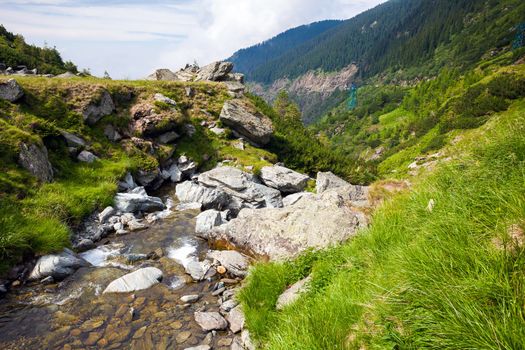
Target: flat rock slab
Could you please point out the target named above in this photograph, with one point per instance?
(138, 280)
(283, 179)
(210, 321)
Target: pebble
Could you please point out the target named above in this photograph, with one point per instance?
(190, 298)
(218, 291)
(183, 336)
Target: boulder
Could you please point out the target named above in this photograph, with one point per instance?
(196, 269)
(73, 140)
(135, 202)
(316, 222)
(111, 133)
(216, 71)
(235, 89)
(209, 198)
(327, 181)
(293, 293)
(207, 220)
(138, 280)
(87, 157)
(173, 173)
(283, 179)
(153, 124)
(147, 177)
(34, 159)
(234, 262)
(127, 183)
(294, 198)
(162, 74)
(243, 187)
(95, 110)
(57, 266)
(161, 98)
(210, 321)
(10, 90)
(245, 121)
(168, 137)
(106, 214)
(236, 319)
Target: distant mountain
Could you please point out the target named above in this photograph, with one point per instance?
(14, 51)
(249, 59)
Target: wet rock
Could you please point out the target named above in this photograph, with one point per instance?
(87, 157)
(127, 184)
(234, 262)
(224, 342)
(327, 181)
(135, 225)
(106, 214)
(134, 202)
(190, 298)
(190, 192)
(293, 293)
(228, 305)
(199, 347)
(34, 159)
(196, 269)
(95, 110)
(283, 179)
(147, 177)
(182, 337)
(188, 206)
(84, 244)
(11, 91)
(210, 321)
(58, 266)
(207, 220)
(247, 122)
(138, 280)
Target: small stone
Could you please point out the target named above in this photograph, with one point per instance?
(236, 319)
(200, 347)
(218, 291)
(224, 342)
(139, 333)
(183, 336)
(228, 305)
(91, 324)
(221, 270)
(102, 343)
(189, 298)
(176, 325)
(92, 338)
(210, 321)
(76, 332)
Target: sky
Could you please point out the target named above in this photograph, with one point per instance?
(130, 39)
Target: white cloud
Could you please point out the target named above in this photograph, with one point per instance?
(129, 39)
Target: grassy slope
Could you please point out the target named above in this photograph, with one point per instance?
(417, 279)
(36, 218)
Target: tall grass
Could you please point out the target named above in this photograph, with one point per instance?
(417, 278)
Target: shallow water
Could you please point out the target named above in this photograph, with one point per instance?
(74, 314)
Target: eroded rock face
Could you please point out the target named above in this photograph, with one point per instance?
(34, 159)
(138, 280)
(244, 188)
(246, 122)
(216, 71)
(11, 91)
(283, 179)
(313, 222)
(57, 266)
(210, 198)
(94, 111)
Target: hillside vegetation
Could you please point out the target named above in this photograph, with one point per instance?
(441, 265)
(14, 51)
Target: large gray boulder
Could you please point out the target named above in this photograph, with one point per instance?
(162, 74)
(246, 122)
(316, 222)
(10, 90)
(137, 201)
(244, 188)
(207, 220)
(34, 159)
(327, 181)
(57, 266)
(99, 108)
(138, 280)
(210, 198)
(283, 179)
(216, 71)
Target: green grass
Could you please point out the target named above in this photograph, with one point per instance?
(416, 279)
